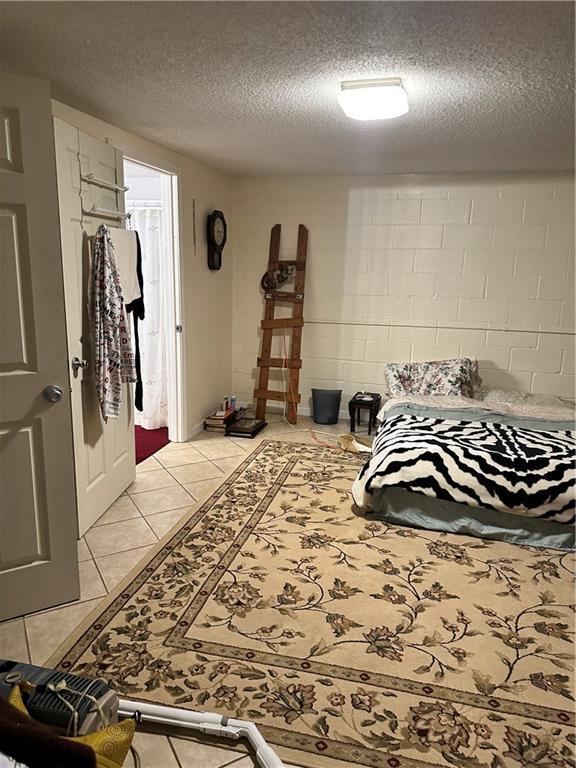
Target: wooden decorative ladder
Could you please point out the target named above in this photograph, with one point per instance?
(295, 323)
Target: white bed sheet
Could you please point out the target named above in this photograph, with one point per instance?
(531, 406)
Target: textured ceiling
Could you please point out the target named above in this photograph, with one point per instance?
(251, 87)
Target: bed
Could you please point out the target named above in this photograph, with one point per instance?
(497, 470)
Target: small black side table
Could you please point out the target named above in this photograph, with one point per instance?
(368, 401)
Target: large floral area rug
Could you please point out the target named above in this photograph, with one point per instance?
(347, 640)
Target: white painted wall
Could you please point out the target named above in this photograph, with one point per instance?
(207, 295)
(415, 268)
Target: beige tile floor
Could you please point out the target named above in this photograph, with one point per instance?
(167, 485)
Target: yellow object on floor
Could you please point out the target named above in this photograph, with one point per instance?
(355, 444)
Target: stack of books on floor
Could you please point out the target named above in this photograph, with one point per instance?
(234, 423)
(218, 420)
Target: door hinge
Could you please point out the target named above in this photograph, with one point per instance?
(178, 329)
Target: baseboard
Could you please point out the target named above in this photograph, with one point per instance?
(195, 429)
(302, 410)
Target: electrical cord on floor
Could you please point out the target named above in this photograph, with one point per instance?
(288, 390)
(135, 757)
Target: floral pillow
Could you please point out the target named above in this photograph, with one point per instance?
(436, 377)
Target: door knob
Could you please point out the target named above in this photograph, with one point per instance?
(77, 363)
(52, 393)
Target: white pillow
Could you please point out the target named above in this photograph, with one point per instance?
(513, 396)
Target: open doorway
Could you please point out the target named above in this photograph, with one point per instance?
(151, 200)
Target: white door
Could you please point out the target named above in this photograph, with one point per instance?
(105, 461)
(38, 525)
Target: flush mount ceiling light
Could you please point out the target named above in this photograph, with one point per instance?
(373, 99)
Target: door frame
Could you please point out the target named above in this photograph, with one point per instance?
(174, 273)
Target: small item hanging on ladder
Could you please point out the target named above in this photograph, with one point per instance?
(273, 280)
(280, 271)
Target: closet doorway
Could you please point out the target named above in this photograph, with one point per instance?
(152, 202)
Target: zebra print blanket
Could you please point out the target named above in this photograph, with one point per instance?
(520, 466)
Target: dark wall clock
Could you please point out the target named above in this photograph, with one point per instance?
(216, 233)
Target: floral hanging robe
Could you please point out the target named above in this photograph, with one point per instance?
(113, 355)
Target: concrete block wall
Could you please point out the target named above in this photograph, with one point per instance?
(414, 268)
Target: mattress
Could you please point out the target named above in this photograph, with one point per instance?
(403, 507)
(459, 466)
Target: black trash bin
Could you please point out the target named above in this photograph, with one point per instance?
(326, 405)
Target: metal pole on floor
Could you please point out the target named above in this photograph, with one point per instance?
(204, 722)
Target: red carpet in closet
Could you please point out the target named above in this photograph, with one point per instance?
(148, 441)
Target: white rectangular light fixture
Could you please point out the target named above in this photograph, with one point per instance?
(373, 99)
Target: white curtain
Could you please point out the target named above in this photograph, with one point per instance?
(147, 220)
